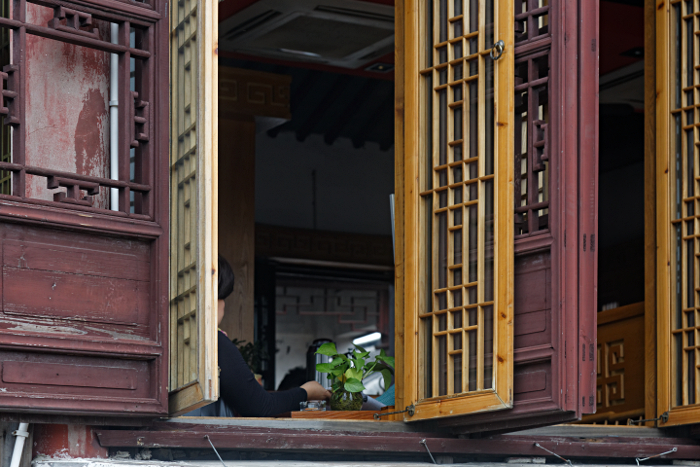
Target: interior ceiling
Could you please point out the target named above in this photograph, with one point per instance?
(358, 104)
(334, 105)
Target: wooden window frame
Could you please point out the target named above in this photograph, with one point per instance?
(668, 413)
(409, 220)
(570, 237)
(99, 230)
(136, 116)
(194, 375)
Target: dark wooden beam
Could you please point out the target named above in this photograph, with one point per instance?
(331, 96)
(359, 138)
(298, 94)
(267, 439)
(350, 110)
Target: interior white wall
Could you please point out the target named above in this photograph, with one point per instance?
(352, 185)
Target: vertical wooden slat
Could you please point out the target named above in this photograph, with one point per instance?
(649, 208)
(194, 375)
(19, 132)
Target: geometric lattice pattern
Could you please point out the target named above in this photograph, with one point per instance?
(532, 116)
(184, 275)
(458, 195)
(611, 374)
(531, 143)
(356, 307)
(5, 142)
(71, 25)
(685, 204)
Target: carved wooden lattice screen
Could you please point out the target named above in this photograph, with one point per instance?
(678, 211)
(5, 149)
(193, 259)
(78, 26)
(465, 211)
(684, 208)
(532, 67)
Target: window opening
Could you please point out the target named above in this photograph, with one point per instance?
(621, 387)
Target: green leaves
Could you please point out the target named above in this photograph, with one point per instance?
(354, 385)
(328, 349)
(346, 372)
(383, 357)
(325, 367)
(354, 373)
(386, 374)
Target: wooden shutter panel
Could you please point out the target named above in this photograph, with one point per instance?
(554, 234)
(678, 351)
(194, 377)
(83, 316)
(458, 205)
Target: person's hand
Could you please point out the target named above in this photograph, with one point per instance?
(315, 392)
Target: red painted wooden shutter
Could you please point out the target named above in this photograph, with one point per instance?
(83, 316)
(556, 65)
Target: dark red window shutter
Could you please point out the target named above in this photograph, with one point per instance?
(84, 312)
(556, 69)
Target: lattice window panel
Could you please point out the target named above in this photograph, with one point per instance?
(357, 307)
(76, 24)
(5, 146)
(184, 272)
(531, 142)
(685, 207)
(193, 222)
(456, 325)
(531, 20)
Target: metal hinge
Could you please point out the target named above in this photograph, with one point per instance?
(663, 418)
(411, 409)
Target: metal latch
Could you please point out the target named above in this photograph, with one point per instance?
(497, 50)
(663, 418)
(411, 409)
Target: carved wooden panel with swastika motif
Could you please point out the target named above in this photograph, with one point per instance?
(620, 365)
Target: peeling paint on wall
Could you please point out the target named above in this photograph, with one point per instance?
(67, 111)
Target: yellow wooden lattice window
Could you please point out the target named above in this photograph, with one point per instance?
(193, 186)
(458, 151)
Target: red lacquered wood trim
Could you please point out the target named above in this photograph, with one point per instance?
(35, 213)
(122, 8)
(308, 440)
(588, 200)
(58, 344)
(565, 256)
(160, 197)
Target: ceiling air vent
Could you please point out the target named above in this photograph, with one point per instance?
(250, 25)
(345, 33)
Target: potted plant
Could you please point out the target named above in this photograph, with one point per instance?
(347, 371)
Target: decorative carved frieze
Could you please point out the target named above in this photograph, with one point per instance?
(620, 365)
(72, 21)
(10, 80)
(253, 93)
(140, 112)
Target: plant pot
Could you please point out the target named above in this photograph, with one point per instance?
(345, 400)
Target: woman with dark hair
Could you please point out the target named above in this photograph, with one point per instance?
(238, 387)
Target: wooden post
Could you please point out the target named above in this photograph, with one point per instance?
(237, 221)
(244, 96)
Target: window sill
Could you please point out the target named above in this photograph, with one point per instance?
(362, 438)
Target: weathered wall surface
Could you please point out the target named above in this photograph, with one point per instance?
(67, 108)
